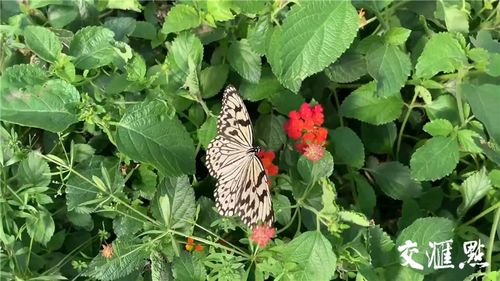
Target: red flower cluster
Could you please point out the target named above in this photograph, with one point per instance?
(261, 235)
(304, 126)
(191, 245)
(267, 158)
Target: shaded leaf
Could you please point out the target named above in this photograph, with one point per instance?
(437, 158)
(164, 141)
(364, 105)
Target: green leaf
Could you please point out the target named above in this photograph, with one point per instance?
(220, 9)
(395, 181)
(484, 40)
(33, 171)
(379, 139)
(485, 102)
(364, 105)
(311, 171)
(494, 176)
(473, 189)
(444, 107)
(313, 35)
(160, 268)
(144, 30)
(285, 101)
(269, 131)
(128, 256)
(60, 16)
(181, 17)
(145, 182)
(81, 220)
(311, 251)
(121, 27)
(439, 127)
(347, 147)
(258, 33)
(282, 209)
(21, 76)
(81, 195)
(456, 17)
(207, 131)
(347, 69)
(188, 268)
(366, 199)
(42, 42)
(397, 35)
(353, 217)
(128, 224)
(92, 47)
(212, 79)
(267, 87)
(164, 141)
(40, 226)
(49, 106)
(424, 231)
(181, 202)
(467, 140)
(136, 68)
(133, 5)
(244, 60)
(390, 67)
(185, 47)
(437, 158)
(442, 53)
(381, 247)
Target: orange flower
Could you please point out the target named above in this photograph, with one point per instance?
(267, 158)
(107, 251)
(191, 245)
(305, 128)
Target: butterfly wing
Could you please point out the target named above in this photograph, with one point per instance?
(241, 179)
(254, 201)
(234, 122)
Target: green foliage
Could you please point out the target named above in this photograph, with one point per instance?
(107, 109)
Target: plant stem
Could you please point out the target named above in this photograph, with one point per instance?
(290, 222)
(489, 248)
(482, 214)
(403, 125)
(458, 96)
(337, 103)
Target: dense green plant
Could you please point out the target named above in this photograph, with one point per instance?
(107, 108)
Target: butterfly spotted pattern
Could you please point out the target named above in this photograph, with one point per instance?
(242, 184)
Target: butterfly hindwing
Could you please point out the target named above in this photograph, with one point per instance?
(254, 201)
(242, 187)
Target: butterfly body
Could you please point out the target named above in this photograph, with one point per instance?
(232, 159)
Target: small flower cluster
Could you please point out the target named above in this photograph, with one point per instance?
(304, 127)
(107, 251)
(267, 158)
(261, 235)
(192, 246)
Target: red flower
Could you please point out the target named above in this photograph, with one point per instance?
(107, 251)
(191, 245)
(267, 158)
(304, 126)
(261, 235)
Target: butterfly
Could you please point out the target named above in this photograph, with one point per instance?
(242, 184)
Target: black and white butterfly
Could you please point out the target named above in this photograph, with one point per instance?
(242, 184)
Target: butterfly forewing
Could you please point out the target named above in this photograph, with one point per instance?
(242, 187)
(234, 122)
